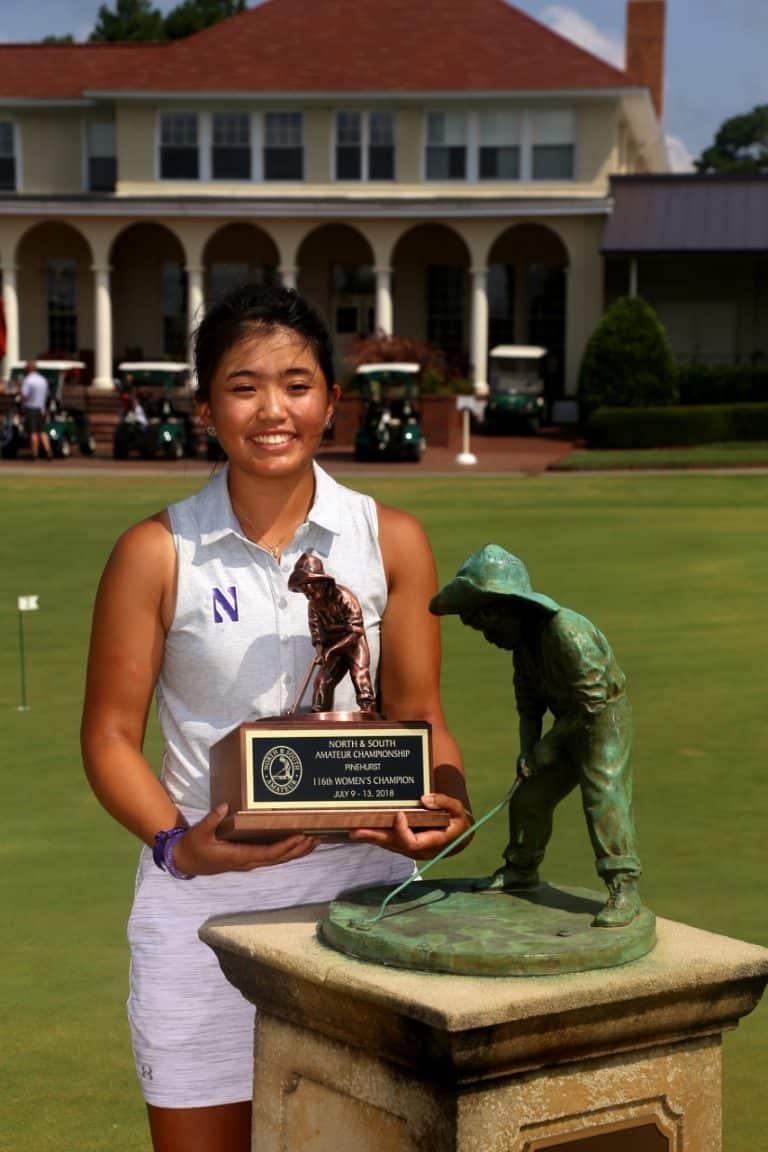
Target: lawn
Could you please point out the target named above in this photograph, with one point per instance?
(731, 454)
(672, 568)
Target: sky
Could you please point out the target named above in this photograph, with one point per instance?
(715, 51)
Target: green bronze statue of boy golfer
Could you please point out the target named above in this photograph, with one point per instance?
(564, 664)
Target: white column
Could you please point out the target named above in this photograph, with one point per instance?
(479, 349)
(11, 308)
(288, 275)
(195, 304)
(383, 320)
(103, 328)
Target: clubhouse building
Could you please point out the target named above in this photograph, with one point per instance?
(441, 170)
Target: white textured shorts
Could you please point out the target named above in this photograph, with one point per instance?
(192, 1031)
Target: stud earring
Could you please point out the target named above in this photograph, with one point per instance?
(328, 423)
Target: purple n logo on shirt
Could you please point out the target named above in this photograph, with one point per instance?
(221, 603)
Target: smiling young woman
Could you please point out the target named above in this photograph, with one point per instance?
(194, 606)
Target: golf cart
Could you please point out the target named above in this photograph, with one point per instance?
(156, 410)
(67, 420)
(516, 389)
(389, 425)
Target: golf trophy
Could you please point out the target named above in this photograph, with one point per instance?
(324, 772)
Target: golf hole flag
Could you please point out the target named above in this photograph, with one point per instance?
(28, 603)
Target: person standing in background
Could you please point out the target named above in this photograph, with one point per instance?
(34, 397)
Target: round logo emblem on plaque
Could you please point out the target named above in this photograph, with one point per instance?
(281, 770)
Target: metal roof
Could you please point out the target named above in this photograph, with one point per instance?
(687, 214)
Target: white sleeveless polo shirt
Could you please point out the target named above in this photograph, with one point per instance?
(238, 649)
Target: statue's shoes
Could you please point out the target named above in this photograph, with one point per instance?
(621, 907)
(508, 879)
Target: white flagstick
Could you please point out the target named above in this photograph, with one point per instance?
(25, 604)
(466, 456)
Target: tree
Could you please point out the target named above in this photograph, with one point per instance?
(130, 20)
(58, 39)
(139, 20)
(628, 361)
(741, 145)
(194, 15)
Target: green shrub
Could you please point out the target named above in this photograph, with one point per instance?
(723, 384)
(628, 362)
(672, 426)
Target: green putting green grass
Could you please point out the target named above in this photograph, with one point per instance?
(672, 568)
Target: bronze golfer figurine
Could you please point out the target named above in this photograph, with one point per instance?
(337, 633)
(564, 664)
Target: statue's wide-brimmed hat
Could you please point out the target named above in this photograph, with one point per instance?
(484, 575)
(306, 570)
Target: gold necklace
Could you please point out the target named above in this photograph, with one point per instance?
(273, 549)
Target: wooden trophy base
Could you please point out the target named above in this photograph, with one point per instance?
(266, 827)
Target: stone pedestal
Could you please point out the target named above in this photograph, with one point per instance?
(356, 1057)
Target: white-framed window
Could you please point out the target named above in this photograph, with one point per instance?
(7, 156)
(102, 155)
(365, 145)
(552, 152)
(61, 305)
(504, 144)
(381, 146)
(174, 310)
(231, 146)
(446, 146)
(179, 151)
(283, 146)
(498, 145)
(349, 146)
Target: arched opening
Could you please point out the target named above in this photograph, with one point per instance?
(431, 291)
(149, 294)
(55, 290)
(527, 284)
(238, 254)
(336, 275)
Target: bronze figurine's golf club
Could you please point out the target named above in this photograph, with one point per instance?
(303, 688)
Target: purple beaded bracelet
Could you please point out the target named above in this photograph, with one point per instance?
(162, 853)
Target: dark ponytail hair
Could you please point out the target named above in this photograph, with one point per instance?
(251, 308)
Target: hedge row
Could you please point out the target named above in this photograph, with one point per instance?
(671, 426)
(724, 384)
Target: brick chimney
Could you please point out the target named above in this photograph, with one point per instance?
(646, 26)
